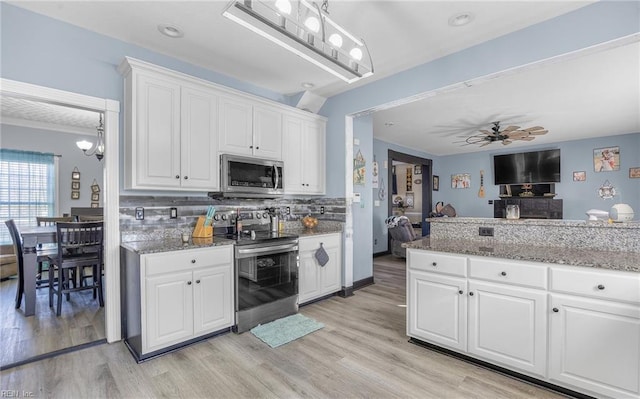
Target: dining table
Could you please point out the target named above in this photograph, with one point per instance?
(33, 238)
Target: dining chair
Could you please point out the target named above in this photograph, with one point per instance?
(79, 246)
(48, 221)
(17, 249)
(90, 218)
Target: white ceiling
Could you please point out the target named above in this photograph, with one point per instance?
(588, 96)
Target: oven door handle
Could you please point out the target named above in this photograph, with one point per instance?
(277, 175)
(271, 249)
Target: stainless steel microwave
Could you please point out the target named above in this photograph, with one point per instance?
(245, 177)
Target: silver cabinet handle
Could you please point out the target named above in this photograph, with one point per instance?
(186, 177)
(555, 310)
(471, 294)
(434, 264)
(177, 176)
(188, 282)
(193, 261)
(503, 273)
(197, 281)
(600, 286)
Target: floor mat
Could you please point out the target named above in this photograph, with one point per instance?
(285, 330)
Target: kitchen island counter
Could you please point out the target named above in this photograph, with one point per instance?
(612, 260)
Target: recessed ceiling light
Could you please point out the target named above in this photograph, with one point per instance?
(170, 30)
(460, 19)
(308, 85)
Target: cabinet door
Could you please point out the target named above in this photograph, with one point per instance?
(293, 155)
(314, 157)
(309, 285)
(236, 130)
(156, 144)
(595, 345)
(199, 143)
(508, 326)
(267, 132)
(331, 272)
(169, 310)
(437, 309)
(212, 299)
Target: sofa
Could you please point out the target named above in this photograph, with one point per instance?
(8, 262)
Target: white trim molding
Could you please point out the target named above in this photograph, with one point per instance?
(111, 197)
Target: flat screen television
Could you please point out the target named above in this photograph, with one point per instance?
(527, 167)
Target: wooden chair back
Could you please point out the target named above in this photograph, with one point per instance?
(79, 237)
(90, 218)
(17, 248)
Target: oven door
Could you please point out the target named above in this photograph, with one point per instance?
(265, 273)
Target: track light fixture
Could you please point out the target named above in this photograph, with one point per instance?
(305, 29)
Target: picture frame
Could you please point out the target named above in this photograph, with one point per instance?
(95, 205)
(75, 185)
(580, 175)
(409, 200)
(606, 159)
(634, 173)
(417, 170)
(461, 180)
(75, 195)
(95, 188)
(436, 183)
(75, 174)
(95, 197)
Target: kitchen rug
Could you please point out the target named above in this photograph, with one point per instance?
(285, 330)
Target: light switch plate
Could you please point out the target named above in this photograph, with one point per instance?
(356, 141)
(376, 203)
(173, 213)
(139, 213)
(356, 197)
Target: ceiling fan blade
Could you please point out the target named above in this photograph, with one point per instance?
(539, 132)
(510, 128)
(531, 129)
(505, 142)
(528, 138)
(516, 133)
(488, 133)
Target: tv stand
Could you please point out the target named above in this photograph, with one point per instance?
(539, 207)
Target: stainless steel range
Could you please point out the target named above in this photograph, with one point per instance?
(266, 270)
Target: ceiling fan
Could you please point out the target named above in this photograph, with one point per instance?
(506, 135)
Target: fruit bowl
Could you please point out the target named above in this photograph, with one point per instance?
(309, 222)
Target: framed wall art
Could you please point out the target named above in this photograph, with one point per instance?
(417, 170)
(436, 183)
(580, 176)
(75, 174)
(606, 159)
(75, 185)
(461, 180)
(75, 195)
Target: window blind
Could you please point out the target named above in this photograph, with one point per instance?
(27, 188)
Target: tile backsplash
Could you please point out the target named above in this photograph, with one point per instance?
(157, 212)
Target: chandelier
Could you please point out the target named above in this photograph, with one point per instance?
(96, 149)
(305, 29)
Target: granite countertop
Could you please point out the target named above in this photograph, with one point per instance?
(321, 228)
(168, 244)
(613, 260)
(538, 222)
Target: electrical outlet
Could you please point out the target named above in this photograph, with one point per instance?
(288, 210)
(173, 213)
(322, 210)
(490, 202)
(140, 213)
(375, 241)
(485, 231)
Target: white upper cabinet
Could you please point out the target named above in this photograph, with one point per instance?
(251, 129)
(170, 131)
(303, 153)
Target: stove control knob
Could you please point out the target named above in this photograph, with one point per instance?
(224, 217)
(258, 215)
(216, 217)
(265, 215)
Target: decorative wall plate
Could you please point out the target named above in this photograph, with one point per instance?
(606, 191)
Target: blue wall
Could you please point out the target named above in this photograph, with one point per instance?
(588, 26)
(363, 267)
(578, 197)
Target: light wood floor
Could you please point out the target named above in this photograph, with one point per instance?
(81, 321)
(361, 352)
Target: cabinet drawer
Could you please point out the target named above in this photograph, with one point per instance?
(437, 262)
(165, 262)
(313, 243)
(610, 284)
(511, 272)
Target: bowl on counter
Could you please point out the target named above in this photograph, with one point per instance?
(309, 222)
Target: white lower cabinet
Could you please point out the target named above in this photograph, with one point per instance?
(315, 281)
(508, 326)
(574, 327)
(594, 343)
(185, 294)
(438, 310)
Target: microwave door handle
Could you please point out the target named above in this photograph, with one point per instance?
(275, 168)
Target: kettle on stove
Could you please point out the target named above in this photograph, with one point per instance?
(275, 219)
